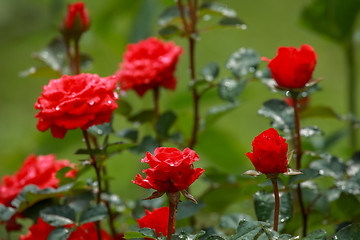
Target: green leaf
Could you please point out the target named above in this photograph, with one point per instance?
(334, 19)
(171, 15)
(329, 166)
(185, 235)
(58, 216)
(264, 206)
(129, 133)
(141, 233)
(353, 165)
(216, 8)
(310, 131)
(93, 214)
(170, 31)
(232, 22)
(230, 89)
(124, 108)
(280, 113)
(101, 129)
(93, 152)
(85, 61)
(350, 232)
(61, 176)
(320, 112)
(319, 234)
(43, 71)
(312, 195)
(164, 123)
(187, 209)
(143, 116)
(232, 221)
(243, 62)
(248, 230)
(118, 147)
(214, 113)
(308, 173)
(350, 186)
(6, 213)
(210, 71)
(148, 144)
(214, 237)
(60, 234)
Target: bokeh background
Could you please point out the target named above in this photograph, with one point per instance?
(27, 26)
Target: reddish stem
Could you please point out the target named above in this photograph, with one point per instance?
(277, 203)
(174, 199)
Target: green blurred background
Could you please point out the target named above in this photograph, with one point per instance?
(27, 26)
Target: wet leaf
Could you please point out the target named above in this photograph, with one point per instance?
(232, 22)
(147, 144)
(101, 129)
(188, 209)
(60, 234)
(128, 133)
(58, 216)
(329, 166)
(310, 131)
(6, 212)
(248, 230)
(210, 71)
(350, 232)
(143, 116)
(164, 123)
(170, 31)
(93, 214)
(280, 113)
(243, 62)
(319, 234)
(350, 186)
(353, 165)
(232, 221)
(230, 89)
(185, 235)
(124, 108)
(171, 15)
(216, 8)
(308, 174)
(141, 233)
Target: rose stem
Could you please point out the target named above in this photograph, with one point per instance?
(190, 30)
(298, 151)
(277, 203)
(77, 56)
(352, 86)
(156, 101)
(98, 176)
(173, 202)
(106, 187)
(70, 58)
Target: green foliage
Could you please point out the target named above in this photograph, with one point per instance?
(280, 114)
(58, 216)
(243, 62)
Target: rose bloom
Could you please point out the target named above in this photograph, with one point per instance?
(292, 67)
(76, 101)
(149, 64)
(77, 12)
(269, 152)
(40, 171)
(170, 170)
(41, 231)
(157, 220)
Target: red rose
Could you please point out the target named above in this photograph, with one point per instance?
(76, 101)
(40, 171)
(269, 152)
(41, 231)
(292, 68)
(149, 64)
(157, 220)
(170, 170)
(77, 19)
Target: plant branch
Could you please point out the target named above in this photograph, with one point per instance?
(174, 198)
(277, 203)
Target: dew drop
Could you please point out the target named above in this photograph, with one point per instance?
(243, 27)
(91, 103)
(99, 131)
(57, 108)
(109, 102)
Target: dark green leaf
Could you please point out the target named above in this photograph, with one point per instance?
(350, 186)
(148, 144)
(141, 233)
(343, 208)
(58, 216)
(214, 237)
(101, 129)
(187, 209)
(353, 165)
(164, 123)
(316, 235)
(6, 213)
(171, 15)
(232, 22)
(320, 112)
(210, 71)
(230, 89)
(85, 61)
(124, 108)
(232, 221)
(215, 113)
(334, 19)
(170, 31)
(216, 8)
(79, 201)
(93, 214)
(60, 234)
(184, 235)
(310, 131)
(350, 232)
(280, 113)
(312, 195)
(131, 134)
(329, 166)
(248, 230)
(308, 173)
(243, 61)
(264, 206)
(118, 147)
(143, 116)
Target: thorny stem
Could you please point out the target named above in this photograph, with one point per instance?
(298, 152)
(173, 203)
(98, 177)
(277, 203)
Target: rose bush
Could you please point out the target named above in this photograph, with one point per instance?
(76, 101)
(170, 170)
(157, 220)
(269, 152)
(149, 64)
(292, 67)
(41, 231)
(37, 170)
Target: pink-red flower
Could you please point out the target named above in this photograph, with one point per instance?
(149, 64)
(41, 231)
(40, 171)
(77, 19)
(269, 152)
(170, 170)
(292, 67)
(157, 220)
(76, 101)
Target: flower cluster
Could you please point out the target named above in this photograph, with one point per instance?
(149, 64)
(76, 101)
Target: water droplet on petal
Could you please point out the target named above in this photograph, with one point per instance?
(91, 103)
(57, 108)
(100, 131)
(109, 102)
